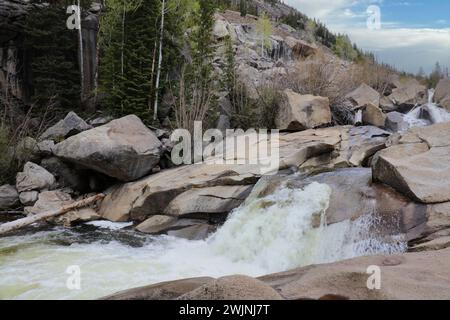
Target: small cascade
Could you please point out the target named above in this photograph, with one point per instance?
(429, 113)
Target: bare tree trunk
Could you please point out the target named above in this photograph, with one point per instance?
(158, 75)
(97, 63)
(123, 42)
(80, 36)
(152, 75)
(14, 225)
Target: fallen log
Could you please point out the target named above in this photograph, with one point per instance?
(20, 223)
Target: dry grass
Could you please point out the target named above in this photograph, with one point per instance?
(14, 128)
(327, 76)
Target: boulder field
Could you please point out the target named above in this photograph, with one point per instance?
(401, 178)
(403, 182)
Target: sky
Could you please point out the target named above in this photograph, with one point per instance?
(412, 33)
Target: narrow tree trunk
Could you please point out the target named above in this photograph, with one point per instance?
(158, 75)
(15, 225)
(152, 76)
(123, 43)
(80, 36)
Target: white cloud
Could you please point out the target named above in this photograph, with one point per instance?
(319, 9)
(405, 47)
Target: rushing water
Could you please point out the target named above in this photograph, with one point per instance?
(427, 114)
(264, 235)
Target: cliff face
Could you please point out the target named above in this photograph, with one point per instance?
(16, 79)
(14, 66)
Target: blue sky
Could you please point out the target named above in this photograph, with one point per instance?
(413, 34)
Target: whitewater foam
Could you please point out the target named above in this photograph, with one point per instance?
(427, 114)
(265, 235)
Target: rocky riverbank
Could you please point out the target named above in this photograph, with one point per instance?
(361, 174)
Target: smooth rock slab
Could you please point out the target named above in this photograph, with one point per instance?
(156, 224)
(220, 199)
(412, 276)
(421, 173)
(364, 95)
(161, 291)
(124, 149)
(233, 288)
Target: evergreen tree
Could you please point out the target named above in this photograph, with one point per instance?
(130, 46)
(53, 52)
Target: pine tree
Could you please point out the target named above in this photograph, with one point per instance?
(53, 52)
(137, 39)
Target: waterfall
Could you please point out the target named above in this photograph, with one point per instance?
(426, 114)
(281, 231)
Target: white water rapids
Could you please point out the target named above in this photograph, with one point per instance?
(264, 235)
(427, 114)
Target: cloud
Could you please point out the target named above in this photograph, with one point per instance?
(320, 9)
(408, 48)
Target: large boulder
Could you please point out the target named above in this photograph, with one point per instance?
(46, 147)
(50, 201)
(395, 121)
(353, 196)
(387, 105)
(411, 276)
(156, 224)
(300, 48)
(191, 229)
(9, 197)
(161, 291)
(419, 165)
(199, 231)
(408, 93)
(34, 177)
(28, 198)
(124, 149)
(233, 288)
(27, 150)
(372, 115)
(70, 125)
(353, 147)
(442, 89)
(299, 112)
(364, 95)
(220, 199)
(66, 175)
(212, 188)
(442, 93)
(152, 195)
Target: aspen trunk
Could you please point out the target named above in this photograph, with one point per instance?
(158, 74)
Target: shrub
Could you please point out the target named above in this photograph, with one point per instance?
(322, 75)
(6, 161)
(255, 112)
